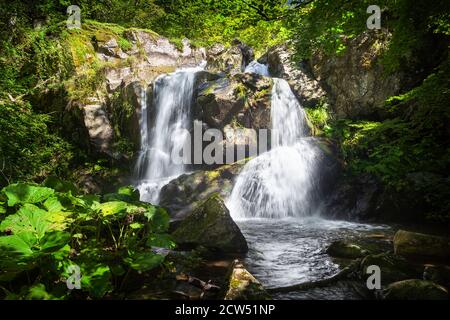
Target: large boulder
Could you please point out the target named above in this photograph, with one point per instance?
(356, 82)
(414, 289)
(243, 99)
(229, 60)
(422, 246)
(182, 194)
(211, 226)
(242, 285)
(303, 83)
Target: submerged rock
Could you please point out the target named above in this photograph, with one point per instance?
(414, 289)
(210, 225)
(344, 249)
(419, 245)
(242, 285)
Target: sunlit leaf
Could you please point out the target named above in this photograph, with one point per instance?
(26, 193)
(130, 192)
(112, 207)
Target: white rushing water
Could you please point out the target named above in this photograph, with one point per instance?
(256, 67)
(281, 182)
(172, 99)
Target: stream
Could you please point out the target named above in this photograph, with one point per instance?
(288, 251)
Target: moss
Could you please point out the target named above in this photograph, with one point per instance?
(319, 117)
(124, 44)
(213, 174)
(240, 90)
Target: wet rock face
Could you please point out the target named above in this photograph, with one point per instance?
(242, 100)
(355, 81)
(99, 127)
(414, 289)
(242, 285)
(211, 226)
(421, 246)
(300, 78)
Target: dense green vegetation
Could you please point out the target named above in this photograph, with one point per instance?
(46, 229)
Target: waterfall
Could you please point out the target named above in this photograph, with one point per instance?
(280, 182)
(172, 99)
(256, 67)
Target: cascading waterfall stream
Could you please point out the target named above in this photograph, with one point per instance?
(172, 98)
(281, 182)
(275, 199)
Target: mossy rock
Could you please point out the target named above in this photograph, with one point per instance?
(182, 194)
(242, 285)
(415, 289)
(210, 225)
(344, 249)
(422, 246)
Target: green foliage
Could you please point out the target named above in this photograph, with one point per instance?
(319, 116)
(328, 26)
(45, 231)
(27, 149)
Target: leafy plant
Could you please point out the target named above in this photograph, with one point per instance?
(44, 231)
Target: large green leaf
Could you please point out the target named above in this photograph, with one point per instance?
(130, 191)
(111, 207)
(16, 254)
(53, 241)
(30, 218)
(159, 218)
(26, 193)
(96, 279)
(144, 261)
(53, 204)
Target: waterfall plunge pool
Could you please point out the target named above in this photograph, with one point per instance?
(288, 251)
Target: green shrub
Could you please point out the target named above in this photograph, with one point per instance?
(28, 150)
(44, 233)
